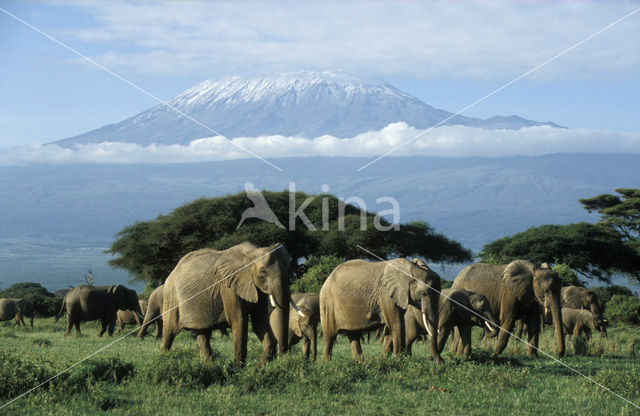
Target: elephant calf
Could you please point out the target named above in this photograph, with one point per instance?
(129, 317)
(153, 313)
(90, 303)
(459, 308)
(12, 308)
(302, 327)
(579, 321)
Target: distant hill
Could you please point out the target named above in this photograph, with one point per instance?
(305, 104)
(56, 220)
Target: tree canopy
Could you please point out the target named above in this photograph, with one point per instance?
(621, 213)
(44, 302)
(149, 250)
(612, 245)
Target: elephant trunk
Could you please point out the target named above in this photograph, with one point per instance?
(281, 297)
(556, 313)
(430, 313)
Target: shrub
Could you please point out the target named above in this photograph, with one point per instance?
(19, 374)
(92, 372)
(605, 293)
(621, 308)
(180, 368)
(318, 268)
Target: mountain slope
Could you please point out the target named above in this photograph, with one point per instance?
(307, 104)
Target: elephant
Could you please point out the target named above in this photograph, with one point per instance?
(580, 298)
(13, 308)
(547, 289)
(359, 295)
(458, 308)
(511, 293)
(89, 303)
(129, 317)
(463, 309)
(578, 321)
(153, 313)
(215, 289)
(302, 327)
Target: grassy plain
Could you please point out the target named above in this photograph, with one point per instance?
(132, 377)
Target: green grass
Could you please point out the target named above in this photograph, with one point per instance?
(132, 377)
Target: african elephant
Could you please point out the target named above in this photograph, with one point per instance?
(211, 289)
(580, 298)
(13, 308)
(90, 303)
(547, 288)
(578, 321)
(463, 309)
(302, 327)
(129, 317)
(359, 295)
(510, 291)
(153, 313)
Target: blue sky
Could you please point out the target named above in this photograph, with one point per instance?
(447, 54)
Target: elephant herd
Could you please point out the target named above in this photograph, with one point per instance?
(401, 298)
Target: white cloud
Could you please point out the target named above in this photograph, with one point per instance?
(453, 141)
(426, 39)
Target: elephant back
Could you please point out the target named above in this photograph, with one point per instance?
(482, 278)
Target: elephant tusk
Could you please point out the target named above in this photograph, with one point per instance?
(424, 321)
(295, 307)
(488, 326)
(273, 301)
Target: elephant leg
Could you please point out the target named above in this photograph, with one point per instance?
(204, 342)
(519, 328)
(305, 346)
(455, 340)
(443, 335)
(261, 329)
(105, 324)
(158, 328)
(356, 349)
(77, 325)
(168, 336)
(387, 345)
(112, 324)
(329, 340)
(239, 329)
(314, 344)
(503, 337)
(69, 326)
(533, 331)
(120, 327)
(465, 341)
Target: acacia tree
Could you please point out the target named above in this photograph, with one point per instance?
(149, 250)
(612, 245)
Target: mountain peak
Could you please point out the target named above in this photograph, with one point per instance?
(302, 103)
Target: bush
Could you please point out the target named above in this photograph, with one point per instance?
(318, 268)
(19, 374)
(605, 293)
(180, 368)
(93, 372)
(621, 308)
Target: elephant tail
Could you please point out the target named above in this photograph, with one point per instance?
(62, 308)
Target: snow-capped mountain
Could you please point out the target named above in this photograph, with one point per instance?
(306, 104)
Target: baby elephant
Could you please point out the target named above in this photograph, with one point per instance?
(12, 308)
(129, 317)
(578, 321)
(303, 327)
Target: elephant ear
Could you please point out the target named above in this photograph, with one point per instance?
(545, 265)
(396, 283)
(236, 268)
(113, 289)
(518, 277)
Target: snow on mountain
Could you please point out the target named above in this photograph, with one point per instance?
(305, 104)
